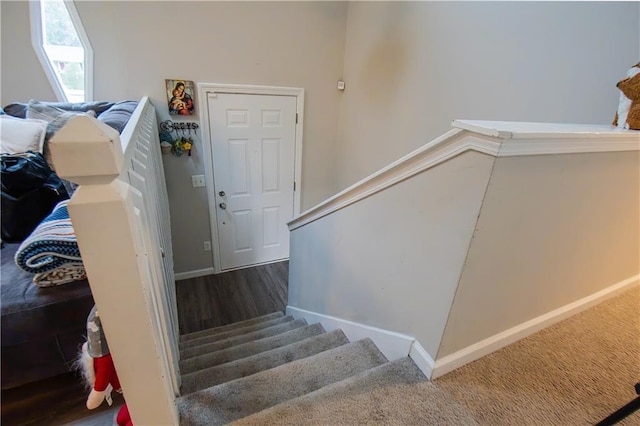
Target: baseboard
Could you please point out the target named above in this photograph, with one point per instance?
(194, 274)
(471, 353)
(422, 359)
(392, 345)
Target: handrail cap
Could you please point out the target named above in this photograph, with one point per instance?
(532, 130)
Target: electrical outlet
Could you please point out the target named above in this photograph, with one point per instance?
(207, 246)
(197, 181)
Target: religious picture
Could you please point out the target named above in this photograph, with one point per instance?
(180, 94)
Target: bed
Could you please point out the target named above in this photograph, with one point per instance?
(42, 328)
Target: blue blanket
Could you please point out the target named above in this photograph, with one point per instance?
(52, 244)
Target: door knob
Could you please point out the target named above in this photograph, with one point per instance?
(223, 206)
(221, 193)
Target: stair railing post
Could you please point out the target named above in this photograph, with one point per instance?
(90, 153)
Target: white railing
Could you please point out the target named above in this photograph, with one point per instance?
(121, 220)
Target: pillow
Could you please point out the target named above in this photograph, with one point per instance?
(19, 109)
(21, 135)
(118, 115)
(56, 119)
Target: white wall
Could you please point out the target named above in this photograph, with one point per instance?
(553, 229)
(410, 68)
(139, 44)
(413, 67)
(394, 259)
(22, 76)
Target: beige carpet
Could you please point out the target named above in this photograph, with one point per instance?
(573, 373)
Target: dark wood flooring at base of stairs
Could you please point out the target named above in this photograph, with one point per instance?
(215, 300)
(56, 401)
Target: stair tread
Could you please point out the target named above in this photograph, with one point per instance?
(235, 332)
(243, 338)
(244, 350)
(390, 388)
(228, 327)
(241, 397)
(263, 361)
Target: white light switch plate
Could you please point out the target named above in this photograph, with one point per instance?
(197, 181)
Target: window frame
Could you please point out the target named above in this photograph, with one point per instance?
(37, 41)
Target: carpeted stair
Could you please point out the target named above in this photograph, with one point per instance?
(277, 370)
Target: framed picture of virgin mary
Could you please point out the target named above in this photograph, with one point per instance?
(180, 97)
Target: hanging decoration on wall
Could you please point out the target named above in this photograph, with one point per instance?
(175, 138)
(180, 97)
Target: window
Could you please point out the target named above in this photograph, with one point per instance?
(63, 48)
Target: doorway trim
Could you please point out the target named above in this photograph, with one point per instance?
(210, 89)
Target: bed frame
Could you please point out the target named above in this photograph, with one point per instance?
(120, 214)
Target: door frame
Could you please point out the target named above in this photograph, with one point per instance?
(210, 89)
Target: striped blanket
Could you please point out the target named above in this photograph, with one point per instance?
(52, 244)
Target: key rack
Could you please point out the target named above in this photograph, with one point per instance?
(182, 142)
(170, 126)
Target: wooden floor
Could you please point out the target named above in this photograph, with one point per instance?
(56, 401)
(203, 302)
(221, 299)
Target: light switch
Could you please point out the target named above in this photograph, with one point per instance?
(197, 181)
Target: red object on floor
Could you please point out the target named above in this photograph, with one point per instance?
(123, 418)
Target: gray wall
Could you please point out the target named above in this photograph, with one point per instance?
(410, 68)
(413, 67)
(22, 76)
(553, 229)
(139, 44)
(393, 260)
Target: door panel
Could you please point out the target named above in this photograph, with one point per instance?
(239, 167)
(270, 216)
(242, 230)
(253, 148)
(270, 165)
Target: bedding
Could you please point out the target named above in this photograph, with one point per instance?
(30, 190)
(51, 245)
(19, 109)
(64, 274)
(54, 116)
(118, 115)
(21, 135)
(43, 324)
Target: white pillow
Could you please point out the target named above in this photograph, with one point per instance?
(21, 134)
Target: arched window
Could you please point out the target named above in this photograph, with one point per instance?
(63, 49)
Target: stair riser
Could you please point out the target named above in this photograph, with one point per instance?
(233, 341)
(237, 332)
(230, 327)
(242, 397)
(264, 361)
(233, 353)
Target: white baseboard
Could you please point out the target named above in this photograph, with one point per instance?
(392, 345)
(395, 345)
(464, 356)
(422, 359)
(194, 274)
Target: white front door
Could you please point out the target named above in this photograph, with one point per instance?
(253, 150)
